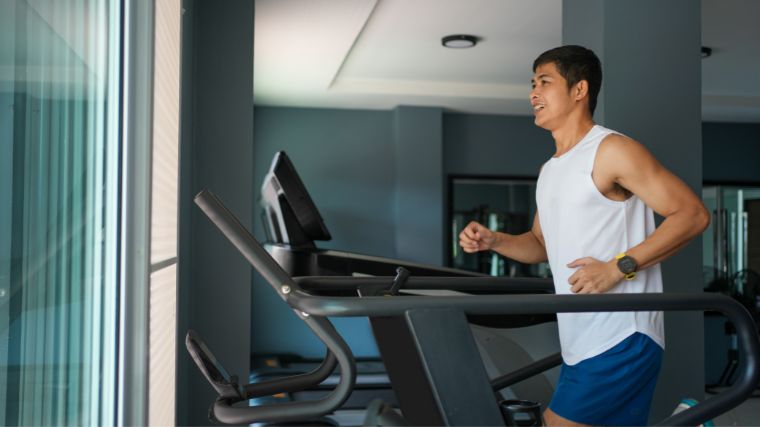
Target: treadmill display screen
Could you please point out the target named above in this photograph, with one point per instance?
(289, 212)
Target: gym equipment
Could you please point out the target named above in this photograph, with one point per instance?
(456, 388)
(293, 224)
(521, 412)
(372, 383)
(744, 287)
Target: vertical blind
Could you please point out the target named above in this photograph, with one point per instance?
(59, 204)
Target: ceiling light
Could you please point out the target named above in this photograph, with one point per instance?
(459, 41)
(706, 51)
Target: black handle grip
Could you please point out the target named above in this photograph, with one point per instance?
(402, 275)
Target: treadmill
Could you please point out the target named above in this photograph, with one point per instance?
(455, 389)
(293, 224)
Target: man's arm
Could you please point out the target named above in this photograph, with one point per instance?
(627, 163)
(685, 214)
(528, 247)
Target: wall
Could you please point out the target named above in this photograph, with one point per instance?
(494, 145)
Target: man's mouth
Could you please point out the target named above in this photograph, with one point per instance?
(538, 107)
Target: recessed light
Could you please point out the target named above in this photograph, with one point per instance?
(459, 41)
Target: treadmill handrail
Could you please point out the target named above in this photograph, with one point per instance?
(227, 386)
(314, 309)
(525, 372)
(239, 236)
(223, 409)
(547, 304)
(293, 382)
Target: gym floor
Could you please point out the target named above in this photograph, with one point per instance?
(746, 414)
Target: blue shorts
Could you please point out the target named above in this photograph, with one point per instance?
(613, 388)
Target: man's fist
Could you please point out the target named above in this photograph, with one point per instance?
(475, 237)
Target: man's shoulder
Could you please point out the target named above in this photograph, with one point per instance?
(617, 144)
(619, 152)
(616, 138)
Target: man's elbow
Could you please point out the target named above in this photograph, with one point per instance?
(701, 219)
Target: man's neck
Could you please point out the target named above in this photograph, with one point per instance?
(570, 134)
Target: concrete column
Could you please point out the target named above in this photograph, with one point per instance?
(216, 153)
(650, 53)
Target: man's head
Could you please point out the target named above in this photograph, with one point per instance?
(575, 64)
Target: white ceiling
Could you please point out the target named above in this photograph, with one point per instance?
(378, 54)
(731, 76)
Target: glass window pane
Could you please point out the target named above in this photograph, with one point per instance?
(731, 245)
(506, 205)
(59, 143)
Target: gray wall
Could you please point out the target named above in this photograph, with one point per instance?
(494, 145)
(731, 152)
(652, 92)
(216, 153)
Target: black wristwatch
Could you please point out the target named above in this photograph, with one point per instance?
(627, 265)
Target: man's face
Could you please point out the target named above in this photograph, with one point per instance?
(550, 97)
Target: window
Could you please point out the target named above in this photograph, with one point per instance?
(731, 245)
(501, 204)
(59, 203)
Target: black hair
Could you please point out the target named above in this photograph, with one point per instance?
(575, 63)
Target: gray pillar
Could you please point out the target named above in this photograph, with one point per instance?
(419, 202)
(652, 92)
(216, 153)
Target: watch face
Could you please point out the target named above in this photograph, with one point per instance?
(626, 265)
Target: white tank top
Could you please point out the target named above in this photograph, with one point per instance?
(578, 221)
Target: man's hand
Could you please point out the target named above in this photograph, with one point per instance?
(475, 237)
(594, 276)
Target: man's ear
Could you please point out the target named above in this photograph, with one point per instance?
(580, 90)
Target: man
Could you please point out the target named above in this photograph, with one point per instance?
(595, 226)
